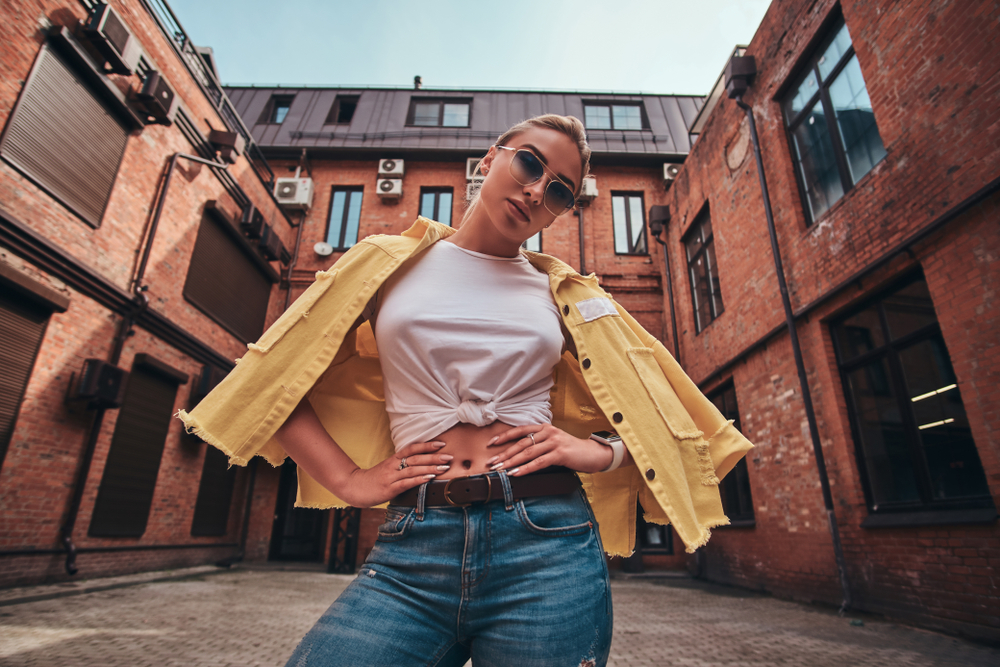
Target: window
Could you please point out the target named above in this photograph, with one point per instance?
(64, 138)
(439, 113)
(831, 123)
(534, 244)
(435, 203)
(912, 437)
(630, 226)
(735, 487)
(703, 272)
(342, 110)
(22, 326)
(129, 479)
(225, 280)
(276, 110)
(609, 116)
(345, 216)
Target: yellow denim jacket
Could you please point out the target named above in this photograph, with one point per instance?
(622, 379)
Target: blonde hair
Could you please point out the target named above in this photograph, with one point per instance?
(571, 126)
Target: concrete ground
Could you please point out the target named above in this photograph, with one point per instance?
(176, 618)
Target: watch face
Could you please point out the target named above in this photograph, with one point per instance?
(606, 436)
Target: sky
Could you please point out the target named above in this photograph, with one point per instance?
(653, 46)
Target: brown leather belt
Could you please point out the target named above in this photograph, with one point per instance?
(465, 491)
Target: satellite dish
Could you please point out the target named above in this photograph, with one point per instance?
(323, 249)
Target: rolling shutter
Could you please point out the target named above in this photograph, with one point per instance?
(22, 326)
(215, 495)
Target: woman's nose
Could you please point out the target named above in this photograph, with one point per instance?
(536, 190)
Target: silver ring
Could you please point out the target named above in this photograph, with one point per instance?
(532, 436)
(402, 463)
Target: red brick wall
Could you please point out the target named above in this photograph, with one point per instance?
(933, 86)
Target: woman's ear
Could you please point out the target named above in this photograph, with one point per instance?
(487, 162)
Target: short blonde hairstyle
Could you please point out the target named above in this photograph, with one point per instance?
(571, 126)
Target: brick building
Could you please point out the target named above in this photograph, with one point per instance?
(880, 145)
(119, 244)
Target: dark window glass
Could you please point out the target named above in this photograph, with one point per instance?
(912, 435)
(215, 490)
(832, 124)
(435, 203)
(706, 295)
(737, 501)
(226, 284)
(627, 215)
(129, 478)
(345, 217)
(64, 138)
(22, 326)
(277, 108)
(342, 111)
(608, 116)
(439, 113)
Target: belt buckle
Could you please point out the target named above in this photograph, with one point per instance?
(447, 491)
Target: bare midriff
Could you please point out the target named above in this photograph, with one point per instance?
(469, 444)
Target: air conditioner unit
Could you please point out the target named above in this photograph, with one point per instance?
(158, 98)
(252, 222)
(270, 244)
(229, 144)
(107, 32)
(100, 384)
(472, 188)
(390, 169)
(471, 172)
(588, 188)
(670, 171)
(390, 188)
(294, 193)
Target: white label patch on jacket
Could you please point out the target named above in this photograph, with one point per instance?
(595, 308)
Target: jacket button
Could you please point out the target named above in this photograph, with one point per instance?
(650, 474)
(586, 364)
(617, 417)
(565, 310)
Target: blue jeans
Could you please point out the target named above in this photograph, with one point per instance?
(515, 582)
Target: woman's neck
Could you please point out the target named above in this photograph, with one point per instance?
(477, 233)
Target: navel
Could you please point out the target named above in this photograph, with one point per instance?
(467, 464)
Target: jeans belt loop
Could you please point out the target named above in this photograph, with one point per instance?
(421, 500)
(508, 495)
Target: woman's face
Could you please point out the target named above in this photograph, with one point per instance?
(516, 210)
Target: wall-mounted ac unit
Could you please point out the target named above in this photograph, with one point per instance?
(107, 32)
(472, 188)
(470, 169)
(588, 188)
(158, 98)
(670, 171)
(389, 188)
(294, 193)
(270, 244)
(390, 169)
(99, 384)
(252, 222)
(229, 144)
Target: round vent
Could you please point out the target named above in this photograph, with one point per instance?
(323, 249)
(287, 189)
(385, 186)
(388, 165)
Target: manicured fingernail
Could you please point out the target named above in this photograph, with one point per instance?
(497, 466)
(493, 460)
(438, 444)
(443, 468)
(495, 438)
(447, 457)
(513, 472)
(429, 476)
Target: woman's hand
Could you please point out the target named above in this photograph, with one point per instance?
(542, 445)
(378, 484)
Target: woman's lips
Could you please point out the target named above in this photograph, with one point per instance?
(518, 210)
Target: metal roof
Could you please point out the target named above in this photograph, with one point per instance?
(379, 121)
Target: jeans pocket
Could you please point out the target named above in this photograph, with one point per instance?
(396, 524)
(555, 516)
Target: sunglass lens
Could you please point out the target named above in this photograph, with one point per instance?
(526, 168)
(558, 197)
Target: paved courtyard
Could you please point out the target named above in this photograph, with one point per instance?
(176, 618)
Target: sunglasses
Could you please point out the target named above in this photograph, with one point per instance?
(526, 168)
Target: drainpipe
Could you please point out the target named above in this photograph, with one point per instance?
(739, 72)
(303, 160)
(659, 217)
(139, 303)
(583, 262)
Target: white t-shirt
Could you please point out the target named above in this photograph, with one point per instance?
(465, 337)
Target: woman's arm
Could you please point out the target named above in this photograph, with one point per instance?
(311, 447)
(551, 446)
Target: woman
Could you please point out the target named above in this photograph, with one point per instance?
(489, 547)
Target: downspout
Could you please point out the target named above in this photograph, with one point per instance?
(659, 217)
(583, 262)
(303, 160)
(738, 73)
(139, 303)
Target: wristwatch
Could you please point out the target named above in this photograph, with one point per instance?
(614, 441)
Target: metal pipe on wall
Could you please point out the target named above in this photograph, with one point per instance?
(659, 217)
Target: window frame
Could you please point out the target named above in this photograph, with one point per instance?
(696, 228)
(267, 115)
(829, 31)
(440, 101)
(335, 108)
(437, 191)
(343, 227)
(890, 349)
(632, 248)
(643, 118)
(740, 473)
